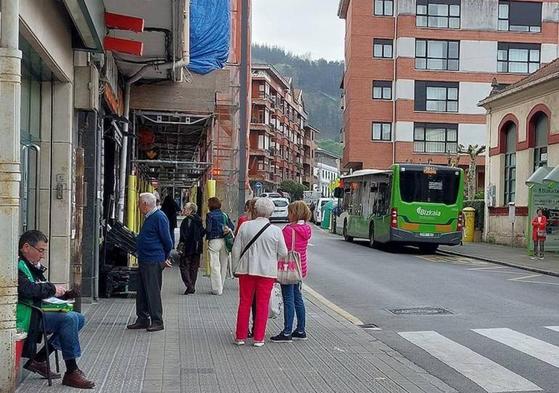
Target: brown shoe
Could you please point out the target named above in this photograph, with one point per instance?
(77, 379)
(40, 368)
(138, 325)
(155, 327)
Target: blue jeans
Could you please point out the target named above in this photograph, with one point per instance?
(293, 304)
(65, 326)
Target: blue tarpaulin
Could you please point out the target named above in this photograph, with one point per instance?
(210, 31)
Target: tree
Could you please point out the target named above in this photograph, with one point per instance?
(293, 188)
(473, 151)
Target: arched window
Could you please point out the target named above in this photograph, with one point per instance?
(510, 162)
(541, 126)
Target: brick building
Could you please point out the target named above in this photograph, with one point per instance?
(416, 70)
(277, 131)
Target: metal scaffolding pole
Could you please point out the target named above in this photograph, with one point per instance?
(10, 88)
(244, 104)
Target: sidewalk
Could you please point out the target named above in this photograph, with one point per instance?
(195, 352)
(509, 256)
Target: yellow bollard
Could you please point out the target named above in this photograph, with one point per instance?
(469, 224)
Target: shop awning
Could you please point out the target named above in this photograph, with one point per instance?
(168, 147)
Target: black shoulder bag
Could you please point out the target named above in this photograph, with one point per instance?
(254, 239)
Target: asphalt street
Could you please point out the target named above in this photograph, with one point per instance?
(477, 326)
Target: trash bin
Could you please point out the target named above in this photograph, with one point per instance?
(326, 215)
(469, 224)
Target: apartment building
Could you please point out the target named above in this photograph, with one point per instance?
(416, 70)
(277, 131)
(327, 170)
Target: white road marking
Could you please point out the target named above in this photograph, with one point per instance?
(554, 328)
(524, 277)
(338, 310)
(311, 245)
(484, 372)
(534, 347)
(489, 268)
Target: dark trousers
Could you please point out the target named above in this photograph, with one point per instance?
(189, 265)
(148, 296)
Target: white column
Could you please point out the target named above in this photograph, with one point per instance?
(10, 87)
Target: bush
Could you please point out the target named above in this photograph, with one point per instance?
(479, 205)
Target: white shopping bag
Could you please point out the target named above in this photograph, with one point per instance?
(276, 302)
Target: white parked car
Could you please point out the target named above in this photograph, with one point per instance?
(270, 195)
(318, 209)
(280, 210)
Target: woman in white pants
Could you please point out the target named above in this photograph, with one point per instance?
(218, 225)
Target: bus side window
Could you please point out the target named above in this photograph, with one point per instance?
(384, 199)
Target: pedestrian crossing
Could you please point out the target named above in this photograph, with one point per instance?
(484, 372)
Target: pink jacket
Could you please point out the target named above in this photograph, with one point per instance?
(302, 236)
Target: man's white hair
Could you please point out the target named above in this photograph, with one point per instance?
(264, 207)
(148, 198)
(192, 206)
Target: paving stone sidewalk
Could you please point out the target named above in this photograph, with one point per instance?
(195, 352)
(509, 256)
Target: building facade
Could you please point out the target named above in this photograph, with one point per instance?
(327, 170)
(309, 149)
(522, 136)
(416, 70)
(277, 131)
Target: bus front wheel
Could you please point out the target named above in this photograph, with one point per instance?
(347, 238)
(428, 248)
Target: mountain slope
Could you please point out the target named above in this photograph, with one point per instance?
(319, 80)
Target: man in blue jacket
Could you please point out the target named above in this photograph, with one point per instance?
(153, 246)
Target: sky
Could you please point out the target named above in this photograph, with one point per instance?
(300, 26)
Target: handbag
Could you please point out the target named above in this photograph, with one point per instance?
(289, 269)
(228, 237)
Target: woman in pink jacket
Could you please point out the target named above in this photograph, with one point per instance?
(298, 214)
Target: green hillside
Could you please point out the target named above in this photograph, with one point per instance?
(319, 80)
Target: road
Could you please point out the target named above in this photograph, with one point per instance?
(477, 326)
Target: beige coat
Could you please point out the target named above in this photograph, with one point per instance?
(261, 259)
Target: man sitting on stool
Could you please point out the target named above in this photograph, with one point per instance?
(32, 289)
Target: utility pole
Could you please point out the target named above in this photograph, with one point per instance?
(10, 176)
(244, 105)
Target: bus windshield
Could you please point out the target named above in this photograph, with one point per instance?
(442, 187)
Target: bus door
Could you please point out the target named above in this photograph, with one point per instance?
(381, 211)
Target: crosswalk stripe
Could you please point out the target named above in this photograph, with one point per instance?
(484, 372)
(534, 347)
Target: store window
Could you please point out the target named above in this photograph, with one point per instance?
(510, 163)
(436, 96)
(438, 13)
(381, 132)
(437, 55)
(541, 126)
(382, 48)
(520, 16)
(518, 57)
(382, 90)
(384, 7)
(435, 138)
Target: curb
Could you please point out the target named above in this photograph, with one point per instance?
(528, 268)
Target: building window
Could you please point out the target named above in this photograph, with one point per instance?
(382, 90)
(520, 16)
(437, 55)
(382, 132)
(436, 96)
(510, 163)
(435, 138)
(518, 58)
(541, 126)
(384, 7)
(438, 13)
(382, 48)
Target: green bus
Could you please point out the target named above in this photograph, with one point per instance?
(411, 204)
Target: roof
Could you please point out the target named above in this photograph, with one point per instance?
(547, 72)
(342, 8)
(274, 73)
(326, 153)
(367, 172)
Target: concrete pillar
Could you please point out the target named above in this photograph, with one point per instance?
(10, 88)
